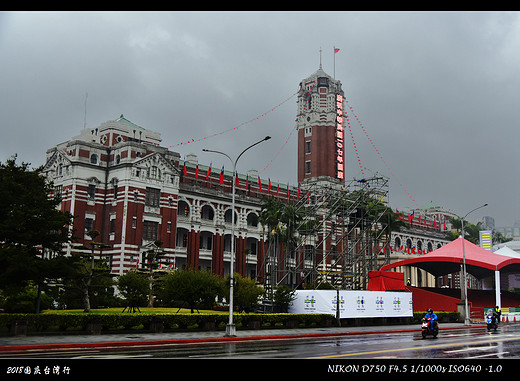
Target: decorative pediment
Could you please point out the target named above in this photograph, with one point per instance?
(57, 166)
(156, 167)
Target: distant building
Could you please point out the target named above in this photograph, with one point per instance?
(488, 223)
(510, 231)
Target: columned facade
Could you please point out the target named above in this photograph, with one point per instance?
(118, 180)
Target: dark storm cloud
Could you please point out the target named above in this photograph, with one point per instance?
(436, 91)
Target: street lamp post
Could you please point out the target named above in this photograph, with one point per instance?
(230, 327)
(466, 311)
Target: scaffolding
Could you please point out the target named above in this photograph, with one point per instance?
(339, 234)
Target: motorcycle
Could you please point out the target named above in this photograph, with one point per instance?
(492, 323)
(429, 327)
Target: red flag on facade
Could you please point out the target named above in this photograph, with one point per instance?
(209, 171)
(269, 186)
(221, 176)
(236, 178)
(277, 190)
(299, 191)
(197, 171)
(259, 183)
(247, 181)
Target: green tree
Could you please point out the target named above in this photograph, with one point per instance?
(85, 282)
(283, 297)
(87, 269)
(151, 262)
(191, 287)
(32, 229)
(282, 221)
(471, 231)
(246, 293)
(134, 288)
(499, 237)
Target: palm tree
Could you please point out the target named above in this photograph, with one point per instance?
(282, 221)
(268, 218)
(471, 231)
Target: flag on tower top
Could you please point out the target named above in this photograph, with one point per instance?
(336, 50)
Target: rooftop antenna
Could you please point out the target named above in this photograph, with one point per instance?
(85, 116)
(320, 57)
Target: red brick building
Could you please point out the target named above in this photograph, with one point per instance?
(118, 180)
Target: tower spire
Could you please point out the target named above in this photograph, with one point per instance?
(320, 57)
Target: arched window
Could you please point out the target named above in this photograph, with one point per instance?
(207, 213)
(183, 209)
(93, 159)
(252, 219)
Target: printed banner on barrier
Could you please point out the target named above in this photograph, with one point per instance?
(353, 304)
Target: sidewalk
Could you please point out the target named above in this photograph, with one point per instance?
(10, 344)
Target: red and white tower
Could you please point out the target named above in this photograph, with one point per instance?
(321, 153)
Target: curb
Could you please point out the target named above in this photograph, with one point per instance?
(148, 343)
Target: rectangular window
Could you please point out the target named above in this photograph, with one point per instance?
(89, 224)
(150, 230)
(91, 191)
(153, 197)
(58, 192)
(307, 167)
(308, 146)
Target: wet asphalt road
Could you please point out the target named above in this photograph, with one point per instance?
(472, 343)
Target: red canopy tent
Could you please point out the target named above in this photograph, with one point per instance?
(385, 281)
(448, 259)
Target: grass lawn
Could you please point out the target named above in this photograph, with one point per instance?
(144, 310)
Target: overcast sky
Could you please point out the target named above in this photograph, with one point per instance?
(437, 92)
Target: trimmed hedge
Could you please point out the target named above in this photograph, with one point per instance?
(141, 321)
(95, 323)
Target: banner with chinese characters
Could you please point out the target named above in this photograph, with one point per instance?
(353, 304)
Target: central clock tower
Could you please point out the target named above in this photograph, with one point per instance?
(321, 143)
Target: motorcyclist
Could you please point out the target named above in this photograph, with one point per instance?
(432, 317)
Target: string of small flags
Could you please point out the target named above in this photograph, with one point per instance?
(193, 140)
(378, 152)
(295, 128)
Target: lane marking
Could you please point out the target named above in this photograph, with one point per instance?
(414, 348)
(472, 349)
(487, 355)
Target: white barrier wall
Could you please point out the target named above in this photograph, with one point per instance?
(353, 304)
